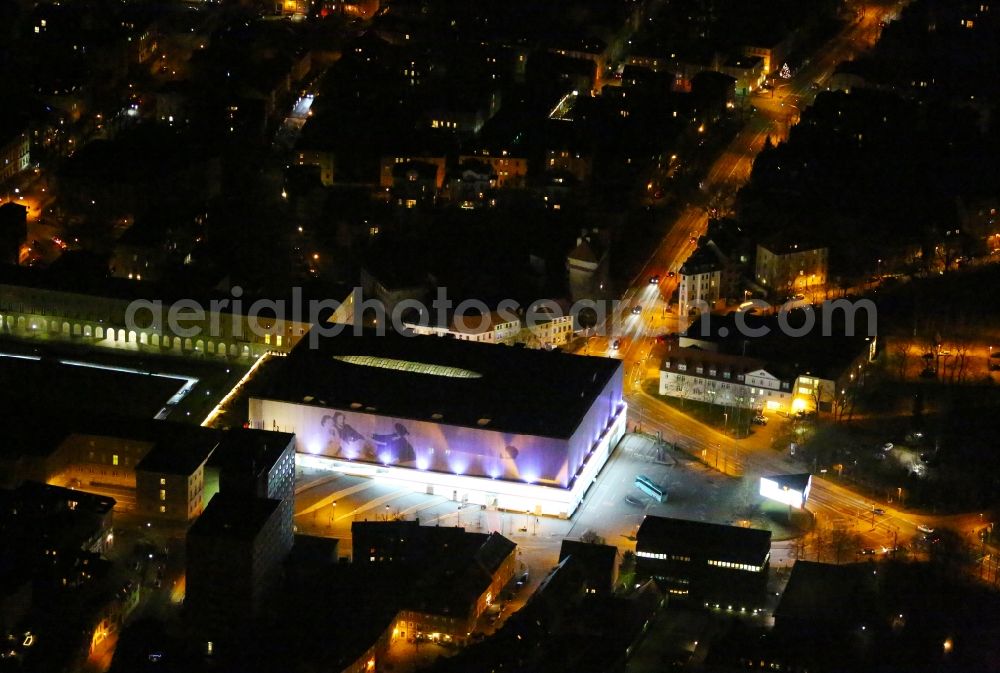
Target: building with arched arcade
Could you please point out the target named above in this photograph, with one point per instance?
(35, 304)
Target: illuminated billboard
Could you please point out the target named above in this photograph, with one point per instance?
(791, 490)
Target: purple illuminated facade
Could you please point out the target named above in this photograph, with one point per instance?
(360, 435)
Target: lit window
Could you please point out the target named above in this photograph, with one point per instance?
(163, 494)
(114, 459)
(163, 482)
(163, 509)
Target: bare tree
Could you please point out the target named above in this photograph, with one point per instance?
(962, 360)
(842, 541)
(901, 356)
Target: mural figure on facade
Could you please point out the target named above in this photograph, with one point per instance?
(343, 441)
(394, 447)
(508, 461)
(345, 436)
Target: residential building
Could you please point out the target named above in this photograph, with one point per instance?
(816, 361)
(593, 49)
(389, 174)
(510, 170)
(324, 159)
(504, 328)
(565, 627)
(728, 380)
(450, 596)
(415, 183)
(464, 114)
(153, 244)
(493, 327)
(574, 162)
(472, 185)
(170, 479)
(13, 231)
(726, 565)
(700, 286)
(15, 151)
(455, 575)
(747, 70)
(774, 52)
(587, 265)
(785, 268)
(599, 563)
(53, 520)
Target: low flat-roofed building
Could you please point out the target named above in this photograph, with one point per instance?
(705, 561)
(512, 428)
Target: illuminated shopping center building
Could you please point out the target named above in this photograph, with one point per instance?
(505, 427)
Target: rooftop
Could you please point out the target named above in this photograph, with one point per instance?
(694, 357)
(246, 450)
(451, 381)
(236, 517)
(705, 258)
(826, 592)
(814, 353)
(711, 540)
(598, 559)
(179, 456)
(797, 482)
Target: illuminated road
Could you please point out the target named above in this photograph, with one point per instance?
(774, 112)
(329, 504)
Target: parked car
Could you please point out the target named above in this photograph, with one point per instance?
(925, 529)
(636, 310)
(878, 510)
(888, 446)
(522, 580)
(867, 551)
(760, 419)
(616, 344)
(654, 280)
